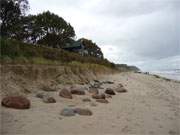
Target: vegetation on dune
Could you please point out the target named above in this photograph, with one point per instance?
(15, 51)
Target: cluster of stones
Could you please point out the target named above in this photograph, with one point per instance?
(20, 102)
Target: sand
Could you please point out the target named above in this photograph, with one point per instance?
(150, 107)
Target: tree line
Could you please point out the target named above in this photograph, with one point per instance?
(46, 28)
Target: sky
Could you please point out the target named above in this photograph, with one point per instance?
(144, 33)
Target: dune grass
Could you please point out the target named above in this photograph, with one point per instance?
(13, 52)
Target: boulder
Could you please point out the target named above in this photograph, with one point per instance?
(108, 82)
(68, 112)
(96, 85)
(121, 90)
(110, 91)
(108, 96)
(77, 92)
(102, 101)
(97, 81)
(93, 104)
(48, 99)
(120, 85)
(93, 91)
(65, 93)
(40, 95)
(17, 102)
(82, 111)
(99, 96)
(86, 100)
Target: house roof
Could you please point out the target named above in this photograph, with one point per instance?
(74, 45)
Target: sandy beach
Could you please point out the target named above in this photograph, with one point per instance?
(151, 106)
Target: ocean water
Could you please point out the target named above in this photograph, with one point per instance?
(170, 74)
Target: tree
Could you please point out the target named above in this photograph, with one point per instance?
(11, 12)
(48, 29)
(92, 48)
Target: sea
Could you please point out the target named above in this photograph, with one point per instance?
(170, 73)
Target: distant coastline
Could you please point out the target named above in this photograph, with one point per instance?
(170, 74)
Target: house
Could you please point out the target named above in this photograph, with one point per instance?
(77, 47)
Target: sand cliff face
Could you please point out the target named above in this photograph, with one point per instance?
(24, 79)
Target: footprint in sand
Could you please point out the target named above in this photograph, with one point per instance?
(156, 119)
(151, 132)
(126, 129)
(170, 118)
(172, 132)
(113, 126)
(127, 119)
(160, 126)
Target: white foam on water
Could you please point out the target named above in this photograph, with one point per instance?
(170, 74)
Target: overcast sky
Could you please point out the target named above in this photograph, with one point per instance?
(145, 33)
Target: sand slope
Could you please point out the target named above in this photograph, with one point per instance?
(150, 107)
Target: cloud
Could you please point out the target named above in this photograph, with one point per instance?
(128, 8)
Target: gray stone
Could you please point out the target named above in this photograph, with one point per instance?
(121, 90)
(40, 95)
(110, 91)
(102, 101)
(108, 96)
(93, 104)
(82, 111)
(86, 100)
(68, 112)
(65, 93)
(78, 92)
(48, 99)
(99, 96)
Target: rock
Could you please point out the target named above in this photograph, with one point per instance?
(68, 112)
(121, 90)
(93, 104)
(86, 100)
(108, 96)
(48, 89)
(77, 92)
(110, 91)
(120, 85)
(82, 111)
(99, 96)
(40, 95)
(96, 85)
(17, 102)
(97, 81)
(102, 101)
(65, 94)
(93, 91)
(48, 99)
(108, 82)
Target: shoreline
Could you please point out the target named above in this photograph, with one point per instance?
(168, 76)
(161, 76)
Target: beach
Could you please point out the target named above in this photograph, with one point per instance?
(151, 106)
